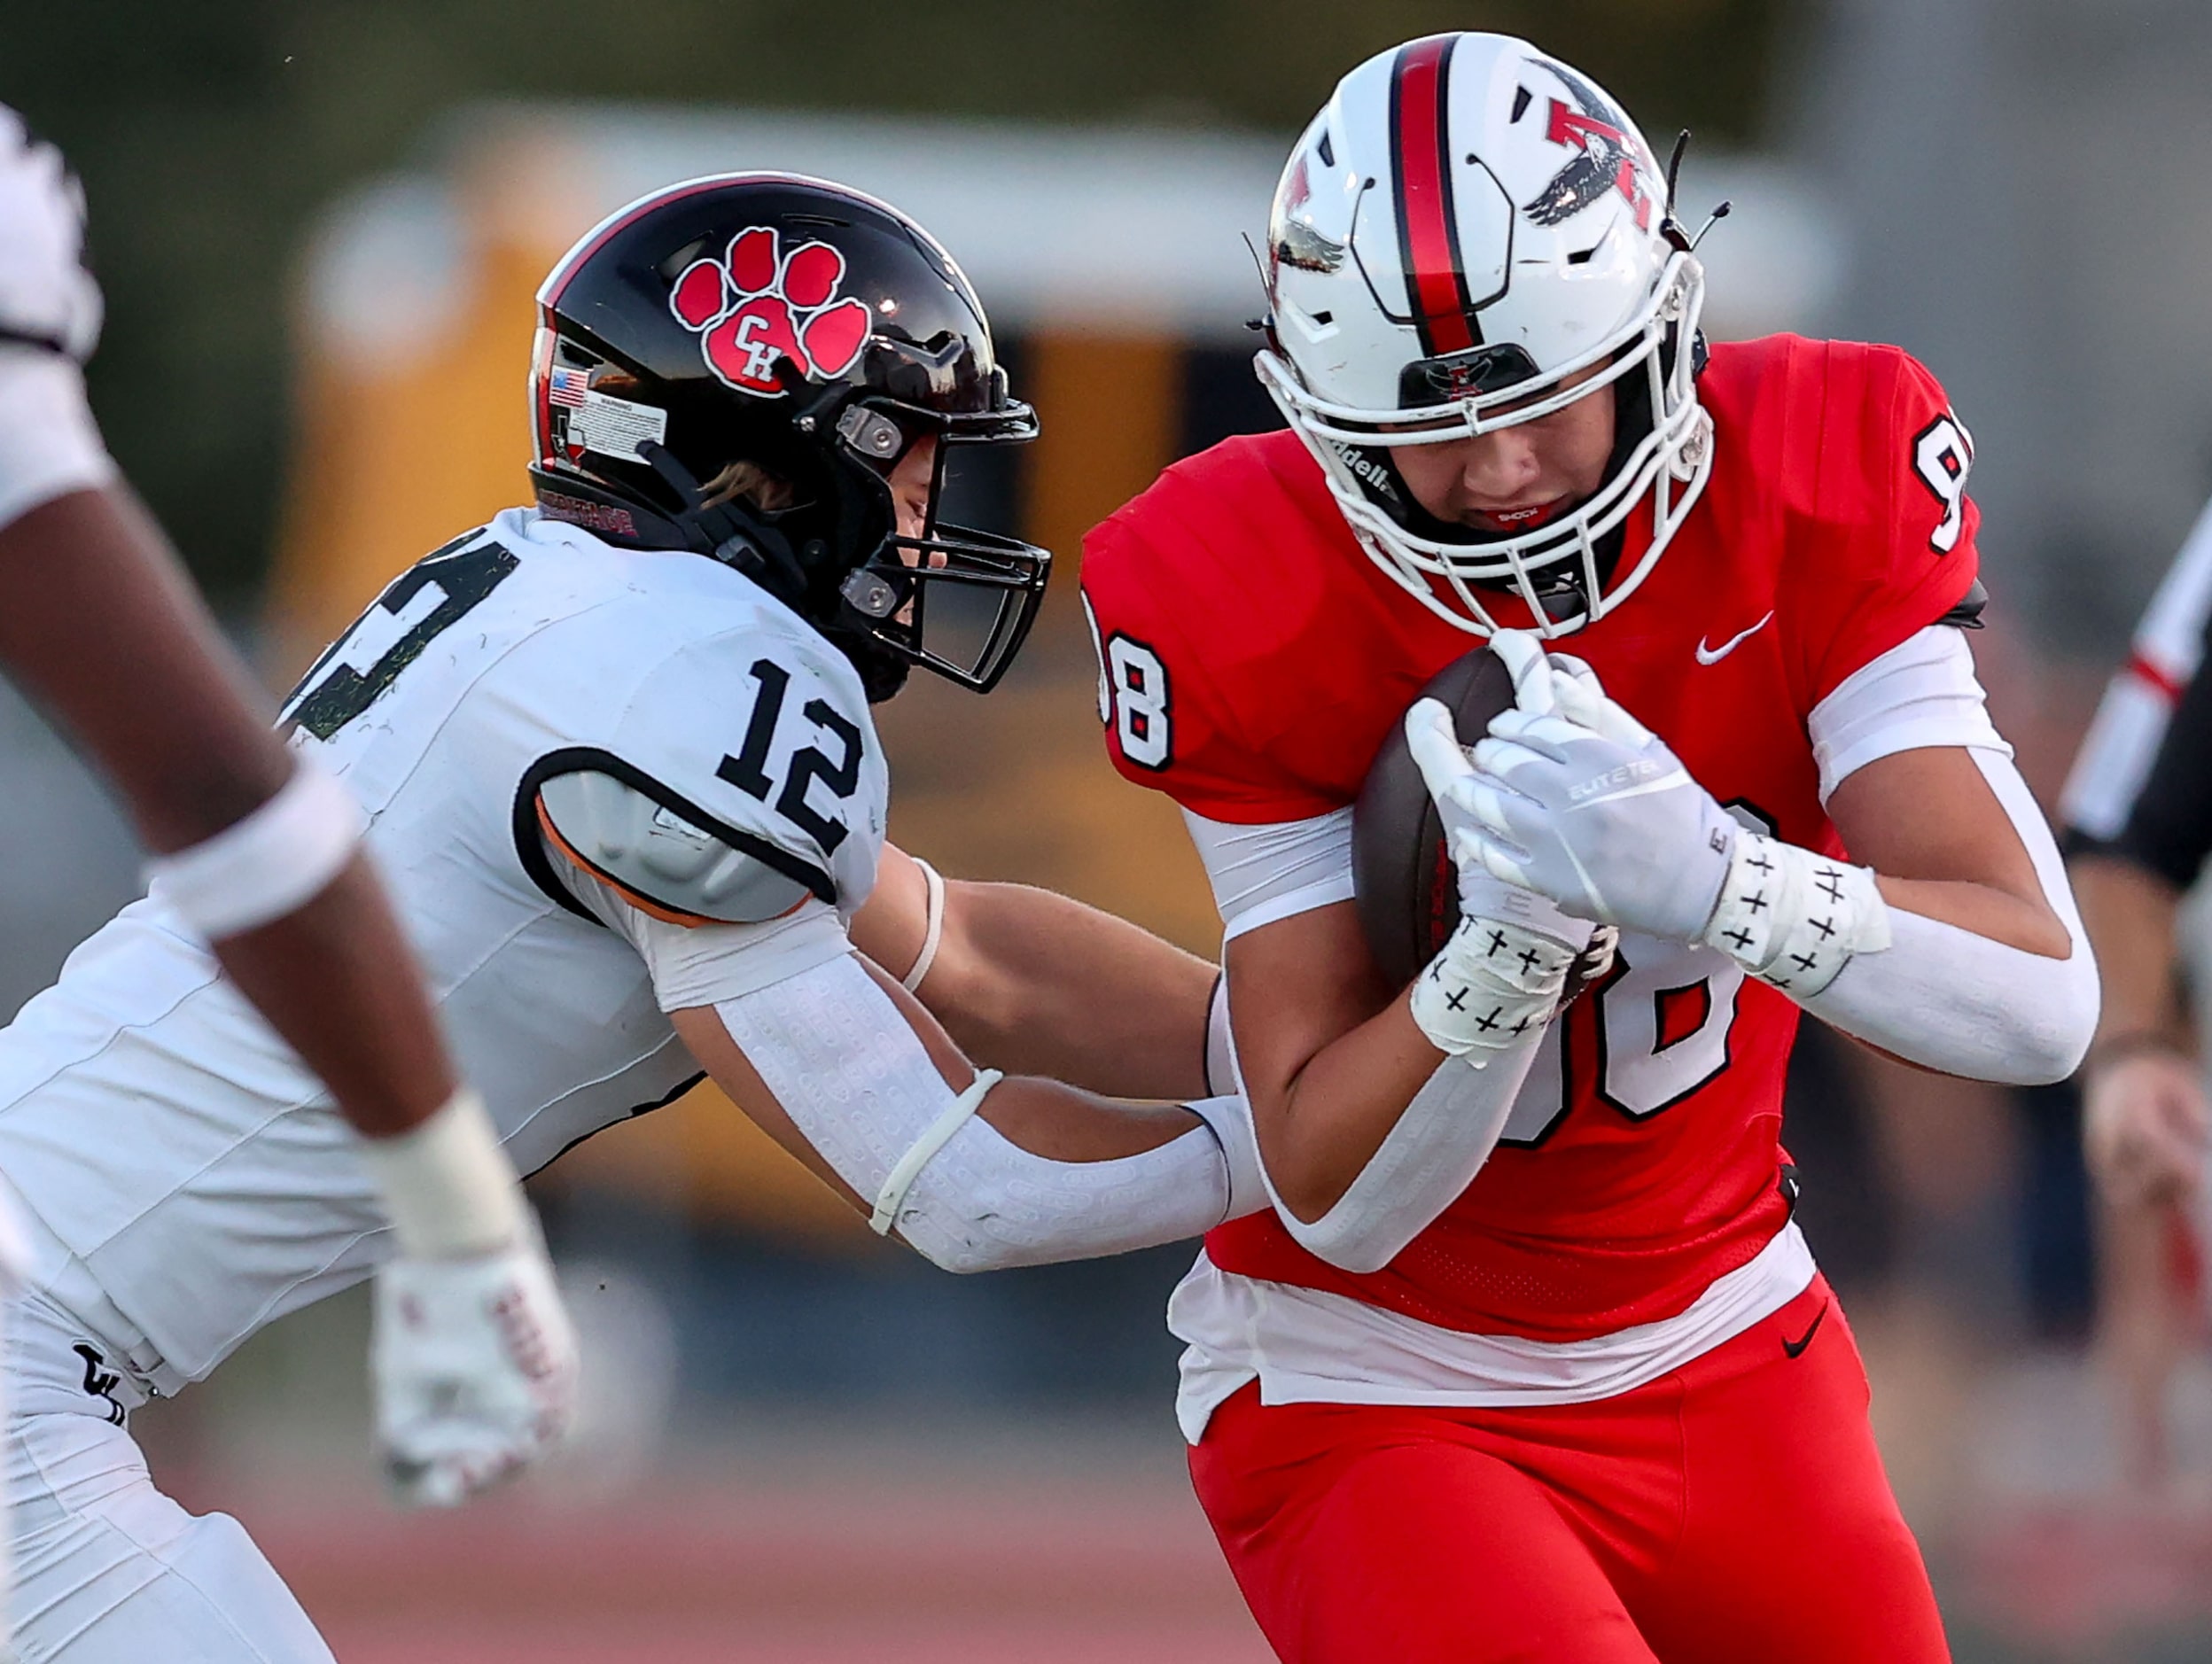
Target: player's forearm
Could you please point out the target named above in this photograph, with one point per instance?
(1037, 983)
(102, 628)
(1319, 1126)
(2129, 913)
(2012, 921)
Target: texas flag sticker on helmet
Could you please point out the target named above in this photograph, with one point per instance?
(757, 306)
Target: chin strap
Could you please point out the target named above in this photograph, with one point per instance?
(729, 531)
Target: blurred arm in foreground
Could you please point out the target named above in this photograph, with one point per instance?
(259, 852)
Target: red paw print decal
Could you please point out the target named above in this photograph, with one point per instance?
(757, 305)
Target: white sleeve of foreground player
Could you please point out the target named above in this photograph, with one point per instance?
(854, 1078)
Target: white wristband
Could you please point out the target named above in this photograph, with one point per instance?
(1794, 919)
(448, 1184)
(940, 1133)
(932, 932)
(48, 444)
(1493, 982)
(260, 868)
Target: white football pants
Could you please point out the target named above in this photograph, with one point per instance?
(107, 1569)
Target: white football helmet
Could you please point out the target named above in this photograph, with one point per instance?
(1467, 225)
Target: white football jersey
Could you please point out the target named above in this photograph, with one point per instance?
(174, 1150)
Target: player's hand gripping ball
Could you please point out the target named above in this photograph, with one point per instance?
(476, 1371)
(1571, 796)
(1410, 890)
(47, 298)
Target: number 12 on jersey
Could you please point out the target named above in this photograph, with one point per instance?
(748, 770)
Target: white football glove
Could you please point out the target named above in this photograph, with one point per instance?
(47, 297)
(1570, 796)
(1505, 968)
(475, 1365)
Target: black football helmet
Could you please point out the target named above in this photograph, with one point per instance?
(753, 327)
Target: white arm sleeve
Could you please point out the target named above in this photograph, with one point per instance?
(854, 1077)
(1921, 693)
(1433, 1153)
(1264, 873)
(1949, 999)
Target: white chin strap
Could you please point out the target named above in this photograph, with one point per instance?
(856, 1081)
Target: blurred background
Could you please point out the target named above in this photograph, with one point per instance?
(319, 226)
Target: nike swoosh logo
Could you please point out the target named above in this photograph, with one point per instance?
(1797, 1349)
(1713, 654)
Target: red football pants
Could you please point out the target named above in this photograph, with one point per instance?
(1735, 1509)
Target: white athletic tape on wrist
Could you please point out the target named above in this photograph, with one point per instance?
(48, 444)
(919, 1154)
(260, 868)
(856, 1082)
(449, 1186)
(932, 933)
(1794, 919)
(1493, 982)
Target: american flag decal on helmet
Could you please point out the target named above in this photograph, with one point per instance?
(567, 388)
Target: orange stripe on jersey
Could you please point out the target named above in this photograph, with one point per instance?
(643, 904)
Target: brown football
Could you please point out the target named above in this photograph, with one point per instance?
(1405, 885)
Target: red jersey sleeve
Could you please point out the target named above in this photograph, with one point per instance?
(1169, 723)
(1189, 644)
(1884, 536)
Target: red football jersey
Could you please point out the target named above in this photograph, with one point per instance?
(1255, 658)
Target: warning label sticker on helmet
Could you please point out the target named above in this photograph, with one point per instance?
(612, 426)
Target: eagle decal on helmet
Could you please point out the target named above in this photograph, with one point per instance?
(1609, 158)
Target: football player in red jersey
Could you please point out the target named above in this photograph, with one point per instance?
(1528, 1360)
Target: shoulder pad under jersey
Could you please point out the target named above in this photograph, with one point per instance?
(654, 853)
(742, 775)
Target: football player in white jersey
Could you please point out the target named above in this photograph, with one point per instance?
(257, 854)
(618, 759)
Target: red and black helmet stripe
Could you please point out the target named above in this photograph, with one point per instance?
(1420, 165)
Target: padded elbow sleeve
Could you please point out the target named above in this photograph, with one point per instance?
(856, 1081)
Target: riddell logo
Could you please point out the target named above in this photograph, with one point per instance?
(757, 306)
